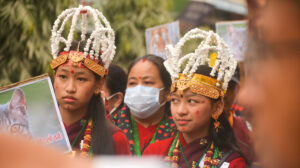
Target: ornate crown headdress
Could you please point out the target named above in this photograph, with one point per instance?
(99, 46)
(212, 45)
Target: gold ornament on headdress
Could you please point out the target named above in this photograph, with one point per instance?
(76, 57)
(58, 61)
(92, 65)
(199, 84)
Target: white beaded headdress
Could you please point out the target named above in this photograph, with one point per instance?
(224, 65)
(99, 46)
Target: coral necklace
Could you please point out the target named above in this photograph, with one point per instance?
(85, 148)
(211, 154)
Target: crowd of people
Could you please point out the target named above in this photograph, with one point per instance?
(180, 108)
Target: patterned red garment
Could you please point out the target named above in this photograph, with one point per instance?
(123, 121)
(193, 151)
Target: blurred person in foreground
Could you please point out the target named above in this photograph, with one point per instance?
(22, 153)
(272, 81)
(238, 123)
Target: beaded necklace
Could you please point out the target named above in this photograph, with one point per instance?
(136, 139)
(185, 159)
(86, 149)
(211, 155)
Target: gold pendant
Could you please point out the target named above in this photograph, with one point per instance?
(75, 57)
(194, 164)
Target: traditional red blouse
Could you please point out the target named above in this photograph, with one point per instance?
(193, 151)
(120, 141)
(145, 134)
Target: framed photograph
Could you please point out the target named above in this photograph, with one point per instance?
(234, 34)
(29, 109)
(159, 36)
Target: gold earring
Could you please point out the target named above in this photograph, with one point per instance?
(97, 92)
(216, 122)
(169, 97)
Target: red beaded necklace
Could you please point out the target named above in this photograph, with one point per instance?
(85, 146)
(86, 149)
(211, 155)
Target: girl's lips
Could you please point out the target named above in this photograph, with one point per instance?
(69, 99)
(183, 122)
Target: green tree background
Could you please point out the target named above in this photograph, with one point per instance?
(130, 19)
(26, 30)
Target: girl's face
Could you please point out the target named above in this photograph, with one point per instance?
(74, 87)
(191, 112)
(146, 73)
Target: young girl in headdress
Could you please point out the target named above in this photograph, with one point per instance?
(205, 137)
(79, 74)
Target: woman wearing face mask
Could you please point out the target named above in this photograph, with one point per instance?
(113, 90)
(205, 138)
(145, 118)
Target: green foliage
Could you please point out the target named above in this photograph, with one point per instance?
(25, 33)
(130, 19)
(26, 30)
(178, 7)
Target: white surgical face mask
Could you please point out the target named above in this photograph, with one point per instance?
(143, 101)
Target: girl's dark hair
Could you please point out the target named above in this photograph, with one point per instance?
(164, 74)
(102, 141)
(225, 137)
(116, 80)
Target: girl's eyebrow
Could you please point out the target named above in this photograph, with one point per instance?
(79, 73)
(174, 94)
(64, 70)
(191, 95)
(132, 77)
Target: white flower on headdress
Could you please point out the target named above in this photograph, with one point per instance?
(102, 38)
(225, 63)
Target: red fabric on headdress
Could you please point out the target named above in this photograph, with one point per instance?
(80, 64)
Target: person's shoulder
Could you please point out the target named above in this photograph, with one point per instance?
(121, 143)
(239, 121)
(238, 162)
(234, 160)
(120, 138)
(159, 147)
